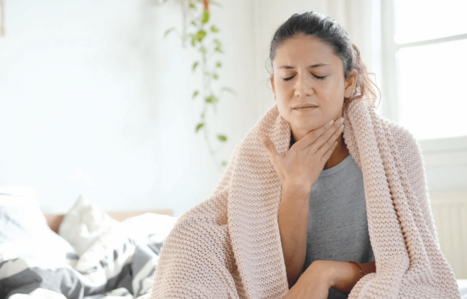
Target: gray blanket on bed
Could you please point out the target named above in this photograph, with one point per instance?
(121, 263)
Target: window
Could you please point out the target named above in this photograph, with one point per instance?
(425, 62)
(424, 81)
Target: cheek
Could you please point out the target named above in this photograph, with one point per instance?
(283, 109)
(329, 88)
(282, 99)
(284, 86)
(333, 94)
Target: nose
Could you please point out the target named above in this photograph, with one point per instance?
(303, 85)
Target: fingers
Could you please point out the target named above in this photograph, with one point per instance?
(270, 147)
(312, 136)
(329, 152)
(328, 139)
(321, 135)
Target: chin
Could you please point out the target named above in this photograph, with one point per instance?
(306, 127)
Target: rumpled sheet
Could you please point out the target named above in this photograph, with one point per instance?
(35, 262)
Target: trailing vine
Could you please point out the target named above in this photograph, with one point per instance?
(196, 28)
(2, 18)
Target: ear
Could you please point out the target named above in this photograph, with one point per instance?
(351, 83)
(272, 84)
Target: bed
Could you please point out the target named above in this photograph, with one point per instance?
(54, 220)
(85, 253)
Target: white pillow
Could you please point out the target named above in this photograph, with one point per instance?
(18, 195)
(115, 248)
(25, 233)
(84, 224)
(462, 287)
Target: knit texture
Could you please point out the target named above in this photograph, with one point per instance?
(229, 246)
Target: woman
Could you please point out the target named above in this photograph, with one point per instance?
(294, 212)
(314, 76)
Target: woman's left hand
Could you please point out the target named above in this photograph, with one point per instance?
(322, 275)
(314, 283)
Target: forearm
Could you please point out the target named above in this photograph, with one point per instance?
(293, 226)
(346, 275)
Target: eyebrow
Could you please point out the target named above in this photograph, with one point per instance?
(288, 67)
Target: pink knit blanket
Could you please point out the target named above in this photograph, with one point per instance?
(229, 245)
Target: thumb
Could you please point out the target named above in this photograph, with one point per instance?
(270, 147)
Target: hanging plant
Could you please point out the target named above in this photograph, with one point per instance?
(2, 18)
(196, 27)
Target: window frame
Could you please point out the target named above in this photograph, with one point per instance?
(390, 82)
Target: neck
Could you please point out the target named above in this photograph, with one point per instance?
(339, 154)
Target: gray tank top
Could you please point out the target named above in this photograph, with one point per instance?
(337, 223)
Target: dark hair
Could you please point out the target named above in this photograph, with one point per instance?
(330, 32)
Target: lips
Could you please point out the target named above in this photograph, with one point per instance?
(304, 107)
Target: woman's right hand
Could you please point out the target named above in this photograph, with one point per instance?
(299, 168)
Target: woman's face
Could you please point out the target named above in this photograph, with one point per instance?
(309, 84)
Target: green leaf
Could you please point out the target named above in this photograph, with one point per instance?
(200, 1)
(214, 76)
(217, 42)
(214, 3)
(211, 99)
(205, 18)
(222, 138)
(202, 50)
(168, 31)
(195, 65)
(195, 94)
(194, 23)
(224, 163)
(229, 90)
(214, 28)
(199, 126)
(218, 64)
(200, 35)
(202, 115)
(218, 49)
(193, 41)
(191, 5)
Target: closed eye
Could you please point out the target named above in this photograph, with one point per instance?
(317, 77)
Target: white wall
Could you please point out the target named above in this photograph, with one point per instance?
(93, 101)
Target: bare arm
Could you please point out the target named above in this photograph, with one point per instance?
(322, 275)
(293, 225)
(298, 170)
(345, 275)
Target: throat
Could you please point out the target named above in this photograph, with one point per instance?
(338, 155)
